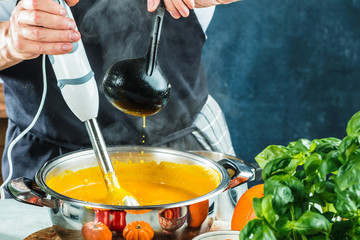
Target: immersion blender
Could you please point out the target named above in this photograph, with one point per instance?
(78, 87)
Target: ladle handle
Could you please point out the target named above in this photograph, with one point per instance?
(154, 39)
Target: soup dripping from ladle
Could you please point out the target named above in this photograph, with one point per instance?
(138, 86)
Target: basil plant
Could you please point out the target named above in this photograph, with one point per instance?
(311, 189)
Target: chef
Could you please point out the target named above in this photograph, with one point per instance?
(111, 30)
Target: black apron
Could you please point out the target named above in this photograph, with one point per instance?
(111, 30)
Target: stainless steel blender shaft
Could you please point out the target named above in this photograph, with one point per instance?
(105, 163)
(99, 146)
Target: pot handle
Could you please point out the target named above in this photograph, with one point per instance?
(26, 191)
(239, 172)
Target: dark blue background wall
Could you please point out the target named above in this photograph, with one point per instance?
(284, 69)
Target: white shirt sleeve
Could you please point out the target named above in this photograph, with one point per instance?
(6, 8)
(204, 16)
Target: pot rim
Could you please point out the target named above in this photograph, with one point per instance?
(41, 175)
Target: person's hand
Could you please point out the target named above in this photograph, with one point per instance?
(40, 27)
(178, 8)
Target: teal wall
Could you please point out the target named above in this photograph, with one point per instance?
(284, 69)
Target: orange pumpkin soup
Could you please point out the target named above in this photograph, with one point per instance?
(150, 183)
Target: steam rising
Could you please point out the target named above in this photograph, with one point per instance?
(120, 29)
(117, 23)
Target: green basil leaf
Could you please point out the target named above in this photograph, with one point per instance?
(353, 125)
(300, 174)
(268, 210)
(355, 237)
(330, 164)
(300, 208)
(341, 230)
(326, 145)
(282, 197)
(282, 225)
(345, 206)
(257, 207)
(270, 153)
(311, 180)
(256, 229)
(329, 208)
(348, 146)
(348, 174)
(275, 166)
(311, 223)
(264, 232)
(317, 200)
(293, 165)
(282, 194)
(312, 163)
(300, 146)
(318, 237)
(325, 191)
(297, 187)
(356, 231)
(329, 215)
(280, 181)
(249, 228)
(355, 194)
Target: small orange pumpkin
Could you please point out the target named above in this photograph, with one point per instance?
(96, 231)
(138, 230)
(244, 210)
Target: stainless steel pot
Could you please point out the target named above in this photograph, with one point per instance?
(69, 215)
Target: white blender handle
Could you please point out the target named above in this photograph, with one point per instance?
(76, 79)
(79, 89)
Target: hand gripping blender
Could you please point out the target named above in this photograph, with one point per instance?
(79, 89)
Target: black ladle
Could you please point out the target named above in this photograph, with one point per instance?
(138, 86)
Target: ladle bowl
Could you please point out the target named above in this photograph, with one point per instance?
(130, 89)
(138, 86)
